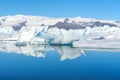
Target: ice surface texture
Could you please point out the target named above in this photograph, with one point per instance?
(43, 30)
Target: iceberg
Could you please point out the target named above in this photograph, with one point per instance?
(110, 44)
(49, 36)
(45, 30)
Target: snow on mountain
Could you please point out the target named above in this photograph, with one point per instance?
(38, 29)
(39, 20)
(27, 20)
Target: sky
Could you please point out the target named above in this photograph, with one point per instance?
(101, 9)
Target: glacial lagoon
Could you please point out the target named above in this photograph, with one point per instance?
(56, 62)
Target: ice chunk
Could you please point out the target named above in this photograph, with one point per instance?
(61, 36)
(27, 36)
(97, 44)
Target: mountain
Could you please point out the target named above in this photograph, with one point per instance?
(35, 29)
(65, 23)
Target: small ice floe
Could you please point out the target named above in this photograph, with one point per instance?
(97, 43)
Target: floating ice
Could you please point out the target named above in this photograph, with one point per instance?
(44, 30)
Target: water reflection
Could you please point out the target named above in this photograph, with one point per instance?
(65, 52)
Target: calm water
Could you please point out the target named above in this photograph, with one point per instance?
(44, 62)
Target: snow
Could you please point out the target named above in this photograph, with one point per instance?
(45, 30)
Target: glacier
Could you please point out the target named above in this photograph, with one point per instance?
(45, 30)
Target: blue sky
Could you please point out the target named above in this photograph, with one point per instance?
(101, 9)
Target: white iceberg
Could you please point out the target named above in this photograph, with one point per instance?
(45, 30)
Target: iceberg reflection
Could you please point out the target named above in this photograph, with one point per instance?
(65, 52)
